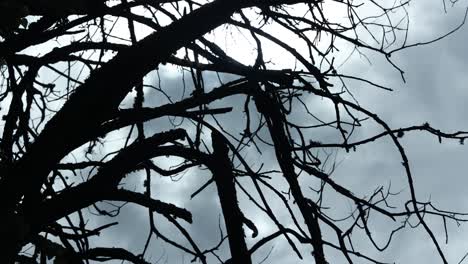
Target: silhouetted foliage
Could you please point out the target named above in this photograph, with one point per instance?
(85, 116)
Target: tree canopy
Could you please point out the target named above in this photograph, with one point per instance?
(104, 102)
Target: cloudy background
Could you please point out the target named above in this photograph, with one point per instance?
(435, 92)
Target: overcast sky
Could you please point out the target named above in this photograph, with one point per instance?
(435, 92)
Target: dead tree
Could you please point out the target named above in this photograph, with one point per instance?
(70, 70)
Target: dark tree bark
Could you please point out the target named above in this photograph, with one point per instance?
(66, 81)
(225, 182)
(266, 105)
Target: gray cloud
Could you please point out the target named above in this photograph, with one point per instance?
(435, 92)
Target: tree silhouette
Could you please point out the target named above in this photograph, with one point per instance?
(77, 73)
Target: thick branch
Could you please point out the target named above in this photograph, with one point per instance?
(233, 217)
(103, 186)
(269, 107)
(154, 205)
(105, 254)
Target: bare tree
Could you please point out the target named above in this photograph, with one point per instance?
(77, 73)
